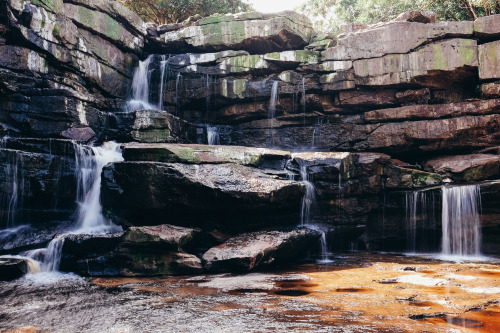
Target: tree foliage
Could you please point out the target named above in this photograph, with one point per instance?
(173, 11)
(331, 14)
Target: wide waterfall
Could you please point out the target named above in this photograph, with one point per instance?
(213, 135)
(460, 221)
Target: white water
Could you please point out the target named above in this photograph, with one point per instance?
(213, 135)
(461, 224)
(90, 165)
(178, 86)
(52, 257)
(13, 202)
(309, 199)
(140, 87)
(163, 65)
(273, 100)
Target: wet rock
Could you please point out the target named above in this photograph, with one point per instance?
(203, 154)
(379, 41)
(128, 262)
(361, 98)
(256, 250)
(253, 32)
(12, 268)
(161, 237)
(487, 27)
(421, 65)
(489, 60)
(161, 126)
(89, 245)
(79, 134)
(158, 193)
(466, 168)
(400, 177)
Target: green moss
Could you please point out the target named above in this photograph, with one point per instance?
(422, 179)
(467, 52)
(57, 30)
(240, 87)
(439, 58)
(186, 155)
(111, 28)
(55, 6)
(154, 135)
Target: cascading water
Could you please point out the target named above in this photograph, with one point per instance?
(272, 110)
(178, 87)
(213, 135)
(420, 215)
(163, 66)
(140, 87)
(90, 218)
(307, 212)
(89, 164)
(461, 224)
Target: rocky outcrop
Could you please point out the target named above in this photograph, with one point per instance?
(466, 168)
(253, 32)
(12, 268)
(162, 237)
(256, 250)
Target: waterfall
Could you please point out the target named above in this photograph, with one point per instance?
(303, 99)
(420, 216)
(140, 87)
(52, 257)
(178, 86)
(272, 110)
(163, 65)
(313, 137)
(90, 162)
(213, 135)
(309, 199)
(12, 202)
(461, 224)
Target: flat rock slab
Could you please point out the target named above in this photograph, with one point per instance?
(489, 60)
(487, 27)
(250, 251)
(205, 154)
(471, 167)
(161, 237)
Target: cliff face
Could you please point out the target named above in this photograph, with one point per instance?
(422, 91)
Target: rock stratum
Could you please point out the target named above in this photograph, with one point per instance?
(367, 116)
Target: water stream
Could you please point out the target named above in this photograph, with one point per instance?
(272, 110)
(461, 223)
(140, 87)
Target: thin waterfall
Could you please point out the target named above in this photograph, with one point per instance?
(140, 87)
(309, 199)
(272, 109)
(163, 66)
(178, 87)
(313, 137)
(12, 202)
(52, 257)
(303, 99)
(461, 223)
(213, 135)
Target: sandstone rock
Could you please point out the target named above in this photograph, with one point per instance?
(343, 80)
(466, 168)
(490, 90)
(432, 111)
(202, 154)
(293, 57)
(358, 97)
(125, 262)
(387, 38)
(453, 55)
(158, 193)
(161, 237)
(323, 166)
(82, 134)
(404, 178)
(84, 246)
(161, 126)
(256, 250)
(12, 268)
(417, 16)
(487, 27)
(489, 60)
(253, 32)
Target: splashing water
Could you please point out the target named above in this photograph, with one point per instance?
(309, 199)
(90, 162)
(461, 224)
(213, 135)
(140, 87)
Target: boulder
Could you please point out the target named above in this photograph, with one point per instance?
(381, 40)
(487, 27)
(131, 262)
(259, 249)
(157, 193)
(82, 134)
(490, 90)
(434, 111)
(454, 58)
(84, 246)
(466, 168)
(253, 32)
(489, 60)
(165, 237)
(12, 268)
(161, 126)
(203, 154)
(417, 16)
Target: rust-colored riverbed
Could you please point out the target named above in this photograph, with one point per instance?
(357, 293)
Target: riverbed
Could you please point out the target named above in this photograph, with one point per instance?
(354, 293)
